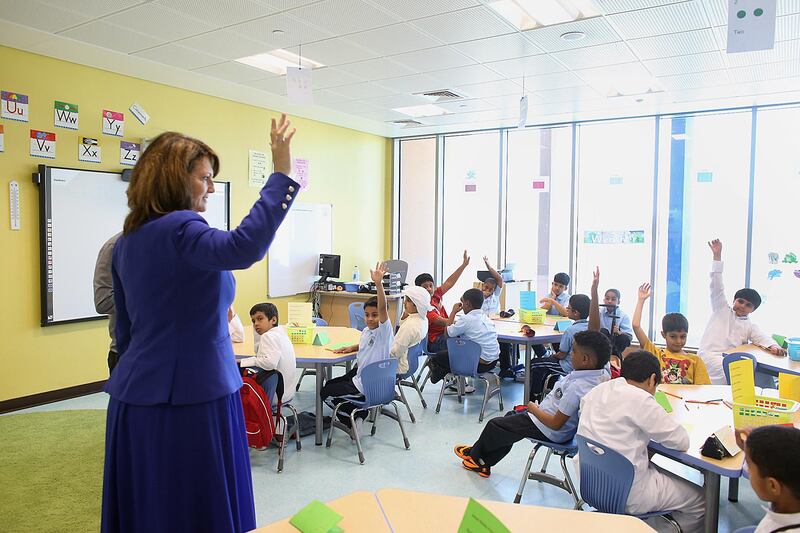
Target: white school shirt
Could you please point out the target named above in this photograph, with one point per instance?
(374, 345)
(492, 303)
(566, 397)
(725, 330)
(476, 327)
(773, 521)
(411, 332)
(236, 329)
(626, 418)
(276, 352)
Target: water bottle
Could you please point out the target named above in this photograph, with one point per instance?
(356, 273)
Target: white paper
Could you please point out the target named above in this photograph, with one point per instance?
(298, 86)
(523, 111)
(139, 112)
(299, 313)
(751, 25)
(2, 139)
(258, 168)
(14, 106)
(113, 123)
(300, 171)
(128, 153)
(89, 150)
(43, 144)
(65, 115)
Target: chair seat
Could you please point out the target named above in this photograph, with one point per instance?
(570, 448)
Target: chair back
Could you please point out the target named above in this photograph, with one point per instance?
(397, 266)
(320, 322)
(414, 353)
(606, 476)
(732, 358)
(464, 356)
(356, 311)
(378, 380)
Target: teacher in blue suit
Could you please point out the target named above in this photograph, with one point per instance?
(176, 456)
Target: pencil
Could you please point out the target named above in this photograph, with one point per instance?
(673, 395)
(708, 402)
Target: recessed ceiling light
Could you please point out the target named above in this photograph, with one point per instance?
(277, 61)
(530, 14)
(573, 35)
(426, 110)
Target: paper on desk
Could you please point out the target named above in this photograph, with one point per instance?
(321, 339)
(316, 517)
(338, 345)
(663, 401)
(789, 386)
(299, 313)
(478, 519)
(743, 388)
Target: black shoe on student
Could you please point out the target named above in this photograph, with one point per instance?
(507, 373)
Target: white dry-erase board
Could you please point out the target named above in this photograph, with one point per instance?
(79, 210)
(293, 257)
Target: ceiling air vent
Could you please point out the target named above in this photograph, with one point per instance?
(442, 95)
(407, 123)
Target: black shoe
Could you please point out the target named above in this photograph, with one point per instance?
(507, 373)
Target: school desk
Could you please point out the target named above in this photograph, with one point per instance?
(360, 511)
(508, 331)
(309, 356)
(334, 306)
(771, 364)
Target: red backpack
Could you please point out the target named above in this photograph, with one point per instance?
(259, 424)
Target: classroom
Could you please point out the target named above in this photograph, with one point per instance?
(443, 265)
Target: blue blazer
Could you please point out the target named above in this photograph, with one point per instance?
(172, 290)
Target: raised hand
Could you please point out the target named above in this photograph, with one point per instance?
(378, 272)
(645, 291)
(595, 278)
(716, 249)
(279, 142)
(465, 261)
(486, 261)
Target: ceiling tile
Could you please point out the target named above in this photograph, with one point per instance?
(376, 69)
(274, 85)
(567, 94)
(225, 44)
(717, 11)
(283, 5)
(354, 106)
(546, 82)
(671, 18)
(398, 100)
(89, 8)
(769, 71)
(40, 16)
(787, 28)
(325, 97)
(510, 103)
(526, 66)
(783, 51)
(618, 6)
(686, 64)
(394, 39)
(344, 16)
(466, 25)
(788, 7)
(676, 44)
(492, 88)
(233, 71)
(323, 78)
(607, 79)
(221, 12)
(433, 59)
(693, 81)
(295, 31)
(466, 75)
(332, 52)
(362, 91)
(414, 9)
(466, 106)
(160, 22)
(412, 84)
(596, 30)
(111, 36)
(386, 115)
(179, 56)
(595, 56)
(499, 48)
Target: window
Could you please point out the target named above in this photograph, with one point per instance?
(417, 220)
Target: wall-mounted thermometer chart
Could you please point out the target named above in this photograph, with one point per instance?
(13, 197)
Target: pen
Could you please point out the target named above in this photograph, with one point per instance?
(708, 402)
(673, 395)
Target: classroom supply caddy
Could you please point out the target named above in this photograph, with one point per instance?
(532, 316)
(766, 412)
(300, 334)
(793, 346)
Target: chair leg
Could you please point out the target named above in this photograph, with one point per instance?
(460, 386)
(546, 460)
(402, 428)
(300, 379)
(374, 414)
(296, 431)
(499, 393)
(485, 399)
(427, 375)
(525, 473)
(405, 401)
(445, 384)
(333, 425)
(419, 391)
(570, 484)
(354, 431)
(282, 447)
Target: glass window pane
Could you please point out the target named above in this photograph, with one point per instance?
(417, 205)
(471, 205)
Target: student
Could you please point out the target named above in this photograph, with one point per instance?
(235, 326)
(621, 332)
(491, 288)
(554, 420)
(437, 317)
(561, 362)
(274, 353)
(375, 345)
(414, 326)
(729, 325)
(474, 326)
(556, 301)
(104, 294)
(774, 468)
(677, 366)
(623, 415)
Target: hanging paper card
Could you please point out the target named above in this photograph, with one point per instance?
(43, 144)
(743, 388)
(128, 153)
(300, 171)
(2, 139)
(89, 150)
(789, 386)
(15, 106)
(478, 519)
(257, 168)
(527, 300)
(113, 123)
(523, 112)
(139, 112)
(751, 25)
(298, 86)
(65, 115)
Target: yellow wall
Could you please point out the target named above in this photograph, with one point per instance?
(350, 170)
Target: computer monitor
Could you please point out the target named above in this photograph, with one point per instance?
(329, 266)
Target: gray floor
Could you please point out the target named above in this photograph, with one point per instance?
(430, 465)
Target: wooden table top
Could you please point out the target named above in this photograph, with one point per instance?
(776, 363)
(360, 511)
(509, 328)
(308, 352)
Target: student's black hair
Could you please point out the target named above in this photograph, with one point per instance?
(491, 281)
(580, 303)
(562, 278)
(773, 449)
(674, 322)
(597, 343)
(751, 295)
(616, 292)
(474, 297)
(422, 278)
(269, 310)
(638, 366)
(372, 302)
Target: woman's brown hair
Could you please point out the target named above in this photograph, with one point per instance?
(160, 180)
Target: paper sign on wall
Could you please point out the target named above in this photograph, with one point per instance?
(743, 388)
(300, 171)
(15, 106)
(541, 184)
(751, 25)
(2, 139)
(89, 150)
(65, 115)
(257, 165)
(113, 123)
(139, 112)
(128, 153)
(43, 144)
(298, 86)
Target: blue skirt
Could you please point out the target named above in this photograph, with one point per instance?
(177, 468)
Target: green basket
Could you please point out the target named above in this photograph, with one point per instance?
(301, 334)
(766, 412)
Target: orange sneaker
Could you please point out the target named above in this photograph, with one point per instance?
(462, 451)
(470, 464)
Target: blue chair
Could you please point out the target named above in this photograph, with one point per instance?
(464, 356)
(564, 450)
(606, 479)
(761, 380)
(414, 353)
(747, 529)
(378, 380)
(320, 322)
(270, 386)
(356, 312)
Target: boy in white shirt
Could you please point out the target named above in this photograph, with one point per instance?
(413, 328)
(235, 326)
(375, 345)
(730, 325)
(275, 352)
(623, 415)
(491, 288)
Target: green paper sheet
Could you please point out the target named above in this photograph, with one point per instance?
(478, 519)
(321, 339)
(780, 339)
(338, 345)
(316, 517)
(663, 401)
